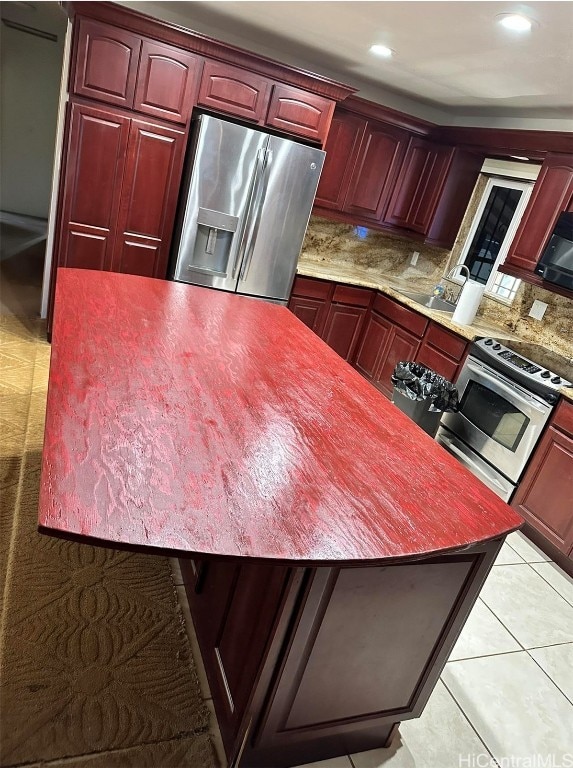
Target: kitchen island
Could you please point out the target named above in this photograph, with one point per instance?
(332, 550)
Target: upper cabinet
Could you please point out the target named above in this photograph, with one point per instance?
(297, 111)
(119, 68)
(375, 170)
(552, 194)
(106, 63)
(167, 82)
(381, 174)
(236, 91)
(421, 179)
(363, 157)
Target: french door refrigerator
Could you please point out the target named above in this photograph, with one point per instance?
(246, 204)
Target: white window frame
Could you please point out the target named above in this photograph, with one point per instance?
(497, 181)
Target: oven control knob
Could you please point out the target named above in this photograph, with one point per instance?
(556, 380)
(545, 375)
(489, 342)
(497, 346)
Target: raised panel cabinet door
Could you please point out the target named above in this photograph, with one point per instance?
(341, 146)
(233, 90)
(95, 163)
(106, 63)
(419, 185)
(544, 496)
(551, 195)
(461, 175)
(234, 615)
(403, 346)
(377, 335)
(297, 111)
(414, 173)
(312, 312)
(437, 361)
(166, 82)
(149, 199)
(379, 158)
(342, 329)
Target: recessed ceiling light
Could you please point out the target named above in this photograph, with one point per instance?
(515, 21)
(519, 157)
(381, 50)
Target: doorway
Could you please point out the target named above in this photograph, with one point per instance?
(32, 53)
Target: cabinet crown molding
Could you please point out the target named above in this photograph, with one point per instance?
(195, 42)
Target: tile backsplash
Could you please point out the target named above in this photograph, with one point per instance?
(334, 242)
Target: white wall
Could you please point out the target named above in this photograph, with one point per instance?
(30, 86)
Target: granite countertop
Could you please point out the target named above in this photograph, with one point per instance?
(226, 427)
(395, 287)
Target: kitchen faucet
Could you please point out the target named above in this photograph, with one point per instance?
(449, 295)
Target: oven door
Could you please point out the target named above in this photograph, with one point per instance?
(499, 419)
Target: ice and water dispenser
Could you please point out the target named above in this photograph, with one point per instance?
(213, 242)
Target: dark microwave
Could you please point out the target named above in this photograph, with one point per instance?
(556, 263)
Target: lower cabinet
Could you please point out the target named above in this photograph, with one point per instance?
(374, 332)
(336, 313)
(310, 301)
(138, 165)
(545, 494)
(393, 333)
(443, 351)
(311, 662)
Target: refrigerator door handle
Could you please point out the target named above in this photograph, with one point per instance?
(245, 238)
(266, 164)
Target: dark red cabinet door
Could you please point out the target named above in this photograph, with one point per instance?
(439, 362)
(342, 328)
(149, 199)
(341, 146)
(455, 195)
(235, 610)
(167, 81)
(312, 312)
(374, 175)
(233, 90)
(106, 63)
(402, 346)
(551, 195)
(546, 490)
(419, 184)
(94, 169)
(371, 348)
(296, 111)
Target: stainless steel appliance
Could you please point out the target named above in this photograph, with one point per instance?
(505, 402)
(245, 209)
(556, 263)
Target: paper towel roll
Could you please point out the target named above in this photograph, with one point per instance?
(468, 302)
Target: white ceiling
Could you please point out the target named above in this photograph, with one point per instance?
(452, 59)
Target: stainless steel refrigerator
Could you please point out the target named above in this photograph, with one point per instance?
(245, 208)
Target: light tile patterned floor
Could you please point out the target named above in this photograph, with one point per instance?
(506, 694)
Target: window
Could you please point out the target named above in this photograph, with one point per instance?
(492, 232)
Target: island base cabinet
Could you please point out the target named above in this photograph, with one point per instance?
(308, 663)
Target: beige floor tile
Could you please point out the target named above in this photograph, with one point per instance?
(483, 635)
(438, 739)
(528, 606)
(557, 662)
(525, 548)
(559, 580)
(514, 707)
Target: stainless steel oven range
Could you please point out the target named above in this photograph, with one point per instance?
(505, 402)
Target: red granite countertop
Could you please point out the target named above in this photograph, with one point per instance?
(195, 420)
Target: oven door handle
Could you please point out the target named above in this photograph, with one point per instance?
(515, 394)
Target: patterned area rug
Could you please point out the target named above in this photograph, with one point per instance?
(95, 662)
